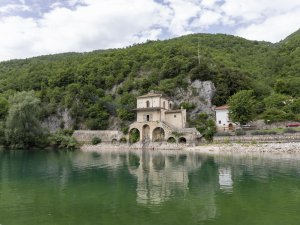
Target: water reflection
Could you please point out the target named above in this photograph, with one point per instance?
(225, 179)
(159, 176)
(169, 183)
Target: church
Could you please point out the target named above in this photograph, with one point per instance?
(157, 121)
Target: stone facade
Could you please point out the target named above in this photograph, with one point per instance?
(157, 121)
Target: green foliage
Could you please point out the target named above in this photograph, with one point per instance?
(187, 105)
(276, 115)
(123, 140)
(242, 107)
(290, 130)
(276, 101)
(240, 132)
(205, 125)
(222, 134)
(4, 106)
(101, 84)
(63, 140)
(23, 127)
(264, 132)
(96, 140)
(134, 136)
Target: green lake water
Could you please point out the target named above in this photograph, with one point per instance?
(148, 187)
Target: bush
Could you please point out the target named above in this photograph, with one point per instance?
(96, 140)
(60, 140)
(222, 134)
(264, 132)
(240, 132)
(290, 131)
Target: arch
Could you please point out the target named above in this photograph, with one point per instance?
(182, 140)
(147, 104)
(230, 126)
(171, 140)
(123, 140)
(158, 134)
(134, 135)
(146, 132)
(114, 141)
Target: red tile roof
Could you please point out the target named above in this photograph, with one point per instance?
(222, 107)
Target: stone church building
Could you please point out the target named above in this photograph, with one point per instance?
(158, 121)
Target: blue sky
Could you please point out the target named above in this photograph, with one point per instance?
(38, 27)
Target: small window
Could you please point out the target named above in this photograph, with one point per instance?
(170, 106)
(164, 105)
(147, 104)
(148, 118)
(174, 116)
(220, 121)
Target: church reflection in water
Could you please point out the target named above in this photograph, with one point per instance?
(164, 175)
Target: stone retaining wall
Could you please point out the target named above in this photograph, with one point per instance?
(106, 136)
(282, 138)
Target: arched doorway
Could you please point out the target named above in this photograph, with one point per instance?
(146, 132)
(171, 140)
(182, 140)
(158, 134)
(134, 135)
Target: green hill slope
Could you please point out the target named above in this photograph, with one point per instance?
(101, 84)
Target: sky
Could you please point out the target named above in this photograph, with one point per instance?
(40, 27)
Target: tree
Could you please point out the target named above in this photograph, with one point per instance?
(242, 107)
(3, 108)
(23, 127)
(205, 125)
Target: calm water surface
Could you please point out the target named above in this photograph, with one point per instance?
(145, 187)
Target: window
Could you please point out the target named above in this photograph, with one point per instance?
(220, 121)
(170, 106)
(147, 104)
(174, 116)
(164, 105)
(148, 117)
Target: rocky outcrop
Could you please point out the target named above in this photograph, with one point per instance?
(61, 120)
(199, 93)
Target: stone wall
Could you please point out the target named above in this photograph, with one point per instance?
(282, 138)
(106, 136)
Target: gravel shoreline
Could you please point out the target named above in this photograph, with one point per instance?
(274, 148)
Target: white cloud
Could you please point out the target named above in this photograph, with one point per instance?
(206, 19)
(84, 25)
(272, 29)
(99, 24)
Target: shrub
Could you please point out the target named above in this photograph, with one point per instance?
(240, 132)
(60, 140)
(290, 131)
(264, 132)
(222, 134)
(96, 140)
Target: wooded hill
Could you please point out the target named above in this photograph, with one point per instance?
(101, 84)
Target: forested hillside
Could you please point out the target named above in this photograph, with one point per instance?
(99, 85)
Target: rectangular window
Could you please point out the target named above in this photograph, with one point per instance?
(220, 121)
(148, 118)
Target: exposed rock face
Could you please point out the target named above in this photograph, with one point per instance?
(61, 120)
(198, 93)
